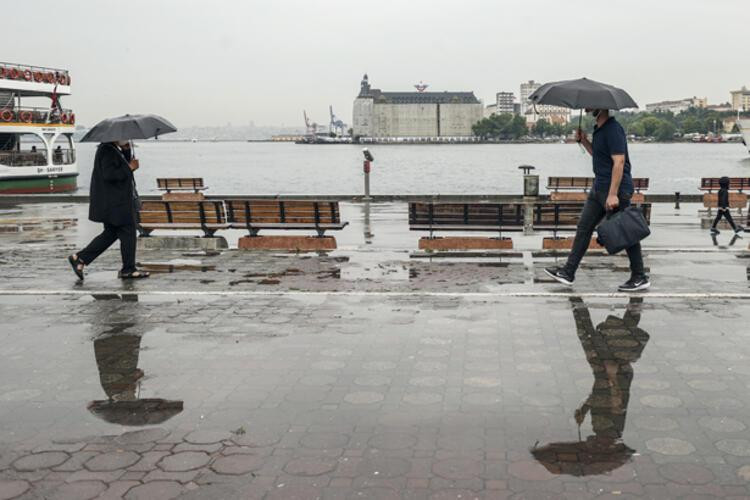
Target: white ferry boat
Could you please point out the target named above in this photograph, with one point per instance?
(744, 126)
(37, 154)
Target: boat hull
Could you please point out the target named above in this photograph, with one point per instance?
(39, 185)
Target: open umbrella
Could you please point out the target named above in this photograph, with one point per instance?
(582, 94)
(136, 413)
(582, 458)
(129, 127)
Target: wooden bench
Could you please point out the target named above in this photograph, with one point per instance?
(583, 185)
(207, 216)
(737, 198)
(564, 216)
(481, 217)
(260, 214)
(181, 188)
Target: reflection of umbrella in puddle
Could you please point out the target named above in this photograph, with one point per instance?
(117, 360)
(582, 458)
(139, 412)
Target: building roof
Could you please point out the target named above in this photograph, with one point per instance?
(421, 97)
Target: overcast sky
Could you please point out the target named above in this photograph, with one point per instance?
(219, 61)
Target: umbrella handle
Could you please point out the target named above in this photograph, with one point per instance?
(132, 149)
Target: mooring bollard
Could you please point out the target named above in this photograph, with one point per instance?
(530, 195)
(677, 200)
(366, 167)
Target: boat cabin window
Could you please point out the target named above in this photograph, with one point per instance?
(22, 150)
(62, 150)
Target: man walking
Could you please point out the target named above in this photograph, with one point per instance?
(113, 200)
(613, 188)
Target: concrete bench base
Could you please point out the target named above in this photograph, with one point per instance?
(578, 196)
(181, 243)
(287, 243)
(707, 220)
(465, 243)
(566, 243)
(183, 196)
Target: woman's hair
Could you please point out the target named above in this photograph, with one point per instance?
(724, 182)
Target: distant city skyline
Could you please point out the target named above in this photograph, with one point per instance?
(202, 64)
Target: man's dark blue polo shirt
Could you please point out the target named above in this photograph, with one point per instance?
(608, 140)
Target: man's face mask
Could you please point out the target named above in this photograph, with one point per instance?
(596, 112)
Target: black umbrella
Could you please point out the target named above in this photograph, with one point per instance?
(582, 94)
(129, 127)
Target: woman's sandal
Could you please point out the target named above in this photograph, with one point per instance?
(135, 275)
(74, 263)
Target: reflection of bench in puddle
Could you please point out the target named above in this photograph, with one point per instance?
(465, 272)
(24, 224)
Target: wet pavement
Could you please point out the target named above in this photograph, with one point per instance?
(373, 373)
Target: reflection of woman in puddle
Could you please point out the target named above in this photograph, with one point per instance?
(610, 349)
(117, 360)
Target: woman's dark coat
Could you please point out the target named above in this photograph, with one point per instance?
(112, 193)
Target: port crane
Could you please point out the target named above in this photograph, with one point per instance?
(311, 127)
(336, 126)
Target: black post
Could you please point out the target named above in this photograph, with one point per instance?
(677, 200)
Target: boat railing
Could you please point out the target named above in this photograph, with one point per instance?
(23, 158)
(36, 115)
(63, 156)
(11, 71)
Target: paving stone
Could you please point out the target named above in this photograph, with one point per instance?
(11, 489)
(736, 447)
(187, 460)
(383, 468)
(148, 461)
(112, 460)
(285, 492)
(392, 441)
(363, 398)
(86, 475)
(237, 464)
(670, 446)
(686, 473)
(207, 437)
(324, 440)
(457, 468)
(312, 466)
(142, 436)
(117, 490)
(155, 490)
(180, 477)
(81, 490)
(44, 460)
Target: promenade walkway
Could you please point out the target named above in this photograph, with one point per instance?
(373, 373)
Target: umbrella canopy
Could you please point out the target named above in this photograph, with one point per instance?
(582, 458)
(581, 94)
(128, 127)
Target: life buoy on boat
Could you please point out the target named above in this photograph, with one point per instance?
(61, 79)
(72, 119)
(13, 73)
(27, 116)
(38, 76)
(3, 72)
(27, 75)
(6, 115)
(64, 118)
(49, 78)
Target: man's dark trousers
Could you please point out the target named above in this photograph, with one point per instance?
(594, 211)
(126, 235)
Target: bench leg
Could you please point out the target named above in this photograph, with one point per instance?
(321, 232)
(145, 233)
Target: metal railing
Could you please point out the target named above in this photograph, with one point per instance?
(11, 71)
(36, 115)
(23, 158)
(63, 157)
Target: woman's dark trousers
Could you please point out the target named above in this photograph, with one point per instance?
(127, 237)
(594, 211)
(724, 212)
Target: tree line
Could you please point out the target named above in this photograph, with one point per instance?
(658, 126)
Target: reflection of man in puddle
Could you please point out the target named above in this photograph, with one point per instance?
(610, 349)
(116, 355)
